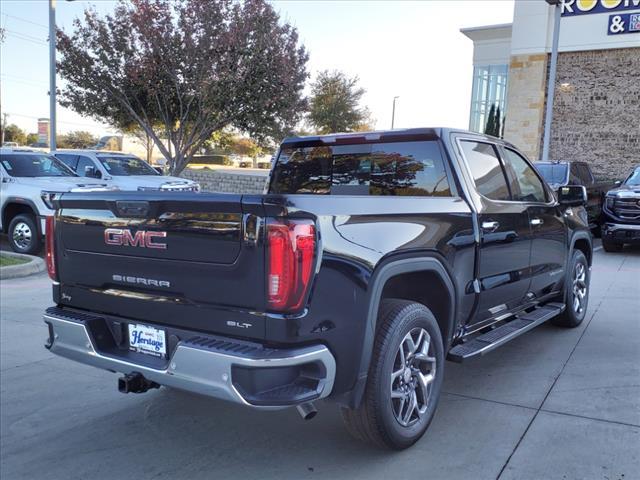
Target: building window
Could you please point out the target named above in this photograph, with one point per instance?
(489, 90)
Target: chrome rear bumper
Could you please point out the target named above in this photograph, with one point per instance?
(201, 367)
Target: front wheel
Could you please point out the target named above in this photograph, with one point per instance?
(24, 236)
(404, 380)
(576, 292)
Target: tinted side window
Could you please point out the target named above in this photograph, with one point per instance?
(69, 160)
(401, 169)
(408, 169)
(83, 162)
(486, 170)
(574, 176)
(526, 186)
(585, 174)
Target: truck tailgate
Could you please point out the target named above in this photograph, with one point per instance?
(184, 259)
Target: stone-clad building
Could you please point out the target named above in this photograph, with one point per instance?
(596, 114)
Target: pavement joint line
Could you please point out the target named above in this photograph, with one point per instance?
(566, 414)
(481, 399)
(597, 249)
(555, 380)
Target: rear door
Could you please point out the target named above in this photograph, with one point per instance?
(188, 260)
(504, 251)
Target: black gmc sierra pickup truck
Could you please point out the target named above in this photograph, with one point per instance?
(621, 214)
(371, 259)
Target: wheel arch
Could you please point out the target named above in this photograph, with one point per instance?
(389, 277)
(16, 206)
(582, 241)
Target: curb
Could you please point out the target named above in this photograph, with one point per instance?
(35, 265)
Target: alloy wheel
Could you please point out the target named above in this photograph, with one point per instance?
(414, 371)
(579, 288)
(22, 235)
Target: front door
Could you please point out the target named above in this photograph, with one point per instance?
(505, 244)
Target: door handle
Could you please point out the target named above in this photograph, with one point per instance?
(536, 221)
(490, 226)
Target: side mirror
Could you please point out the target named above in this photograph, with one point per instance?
(572, 196)
(617, 183)
(91, 172)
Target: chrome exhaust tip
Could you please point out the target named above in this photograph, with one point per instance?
(307, 410)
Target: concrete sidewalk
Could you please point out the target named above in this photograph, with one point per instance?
(553, 404)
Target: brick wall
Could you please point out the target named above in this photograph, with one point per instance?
(596, 115)
(525, 102)
(224, 181)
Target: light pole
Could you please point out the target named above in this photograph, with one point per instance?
(551, 83)
(393, 112)
(52, 75)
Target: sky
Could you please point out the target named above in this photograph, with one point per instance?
(413, 50)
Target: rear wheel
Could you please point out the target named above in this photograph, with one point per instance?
(404, 380)
(576, 292)
(24, 236)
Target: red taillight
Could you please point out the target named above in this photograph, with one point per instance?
(291, 250)
(49, 238)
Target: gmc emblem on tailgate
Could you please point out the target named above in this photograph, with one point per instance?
(122, 237)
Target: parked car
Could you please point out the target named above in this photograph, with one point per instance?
(123, 170)
(560, 174)
(373, 257)
(28, 182)
(622, 214)
(10, 145)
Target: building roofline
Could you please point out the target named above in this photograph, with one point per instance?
(477, 33)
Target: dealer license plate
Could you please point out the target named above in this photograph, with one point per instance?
(146, 339)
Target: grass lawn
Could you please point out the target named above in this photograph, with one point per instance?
(6, 261)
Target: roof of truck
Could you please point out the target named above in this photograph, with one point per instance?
(92, 150)
(398, 134)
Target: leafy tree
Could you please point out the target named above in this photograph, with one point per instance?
(13, 133)
(32, 138)
(245, 146)
(185, 69)
(335, 103)
(219, 142)
(77, 139)
(142, 137)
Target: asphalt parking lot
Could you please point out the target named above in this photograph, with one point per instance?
(553, 404)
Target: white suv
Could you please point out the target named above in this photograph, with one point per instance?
(125, 171)
(28, 182)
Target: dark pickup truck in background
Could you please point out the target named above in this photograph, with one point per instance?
(561, 174)
(621, 215)
(371, 259)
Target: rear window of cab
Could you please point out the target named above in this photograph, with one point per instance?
(396, 169)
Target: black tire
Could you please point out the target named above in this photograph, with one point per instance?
(24, 235)
(576, 292)
(376, 420)
(611, 246)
